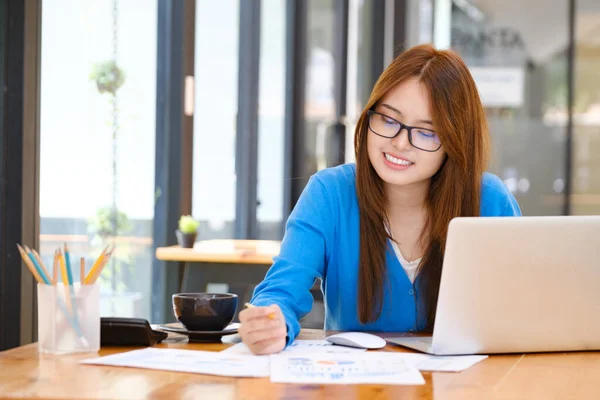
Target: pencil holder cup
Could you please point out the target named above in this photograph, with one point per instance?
(68, 318)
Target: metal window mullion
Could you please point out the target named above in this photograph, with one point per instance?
(295, 82)
(378, 41)
(187, 143)
(246, 147)
(570, 103)
(31, 162)
(338, 144)
(169, 136)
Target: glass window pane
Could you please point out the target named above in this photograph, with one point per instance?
(519, 66)
(360, 68)
(585, 175)
(97, 142)
(319, 109)
(271, 119)
(216, 100)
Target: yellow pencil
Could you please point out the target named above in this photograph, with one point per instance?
(271, 315)
(97, 263)
(29, 265)
(92, 278)
(65, 279)
(102, 265)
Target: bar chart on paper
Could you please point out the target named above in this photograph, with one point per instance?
(369, 368)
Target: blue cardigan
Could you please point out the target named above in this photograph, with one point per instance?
(322, 241)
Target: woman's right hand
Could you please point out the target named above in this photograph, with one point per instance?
(263, 329)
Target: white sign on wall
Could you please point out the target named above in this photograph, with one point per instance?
(499, 87)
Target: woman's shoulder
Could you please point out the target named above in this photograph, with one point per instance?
(330, 189)
(339, 180)
(329, 194)
(344, 174)
(496, 199)
(493, 183)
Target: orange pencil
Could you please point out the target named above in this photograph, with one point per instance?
(55, 268)
(82, 269)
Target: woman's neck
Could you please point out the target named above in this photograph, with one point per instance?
(407, 215)
(407, 201)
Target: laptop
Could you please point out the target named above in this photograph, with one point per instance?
(517, 285)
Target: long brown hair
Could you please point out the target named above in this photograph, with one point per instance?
(454, 191)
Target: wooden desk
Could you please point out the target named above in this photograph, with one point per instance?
(26, 374)
(259, 253)
(223, 251)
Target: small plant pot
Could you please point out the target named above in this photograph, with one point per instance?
(185, 240)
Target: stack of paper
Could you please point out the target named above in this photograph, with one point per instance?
(306, 361)
(423, 362)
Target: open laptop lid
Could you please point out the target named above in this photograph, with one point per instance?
(519, 284)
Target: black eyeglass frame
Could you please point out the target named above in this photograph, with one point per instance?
(401, 127)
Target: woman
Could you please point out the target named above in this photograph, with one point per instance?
(375, 232)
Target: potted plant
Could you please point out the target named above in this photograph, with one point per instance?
(186, 234)
(108, 77)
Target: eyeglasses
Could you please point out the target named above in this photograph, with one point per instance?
(387, 127)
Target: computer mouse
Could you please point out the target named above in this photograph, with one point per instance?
(360, 340)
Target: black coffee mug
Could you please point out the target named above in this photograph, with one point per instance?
(205, 311)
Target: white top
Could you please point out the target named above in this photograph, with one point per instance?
(410, 267)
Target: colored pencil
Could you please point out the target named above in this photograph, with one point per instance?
(55, 268)
(271, 315)
(105, 261)
(68, 262)
(95, 266)
(82, 270)
(40, 277)
(71, 282)
(29, 264)
(39, 260)
(65, 279)
(38, 267)
(71, 300)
